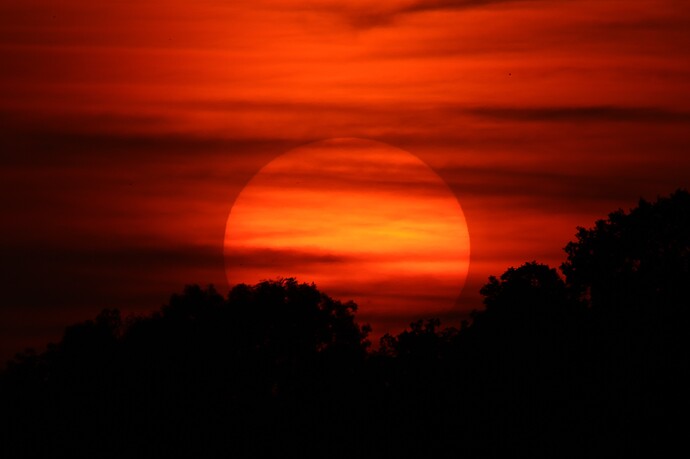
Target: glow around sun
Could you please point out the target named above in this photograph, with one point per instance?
(361, 219)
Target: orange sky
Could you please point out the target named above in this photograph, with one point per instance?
(129, 128)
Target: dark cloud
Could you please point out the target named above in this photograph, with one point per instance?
(43, 141)
(513, 182)
(259, 258)
(107, 272)
(241, 105)
(601, 189)
(603, 113)
(434, 5)
(410, 181)
(64, 147)
(383, 16)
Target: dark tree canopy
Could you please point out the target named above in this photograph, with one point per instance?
(529, 292)
(287, 311)
(424, 341)
(593, 363)
(634, 259)
(204, 365)
(528, 311)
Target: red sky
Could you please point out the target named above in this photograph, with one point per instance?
(129, 128)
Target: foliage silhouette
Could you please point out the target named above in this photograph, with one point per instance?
(633, 271)
(591, 363)
(634, 259)
(203, 365)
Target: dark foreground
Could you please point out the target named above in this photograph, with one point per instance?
(593, 363)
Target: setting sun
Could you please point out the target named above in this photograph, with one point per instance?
(361, 219)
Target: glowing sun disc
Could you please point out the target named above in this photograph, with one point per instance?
(362, 220)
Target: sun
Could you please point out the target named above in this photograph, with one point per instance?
(362, 220)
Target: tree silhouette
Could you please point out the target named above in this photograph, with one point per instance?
(634, 259)
(592, 363)
(525, 297)
(633, 270)
(425, 341)
(205, 375)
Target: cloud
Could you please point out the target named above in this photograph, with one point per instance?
(595, 113)
(369, 18)
(56, 147)
(261, 258)
(434, 5)
(107, 272)
(248, 258)
(545, 191)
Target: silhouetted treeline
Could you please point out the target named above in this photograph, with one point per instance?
(593, 362)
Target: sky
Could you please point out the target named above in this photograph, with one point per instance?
(130, 128)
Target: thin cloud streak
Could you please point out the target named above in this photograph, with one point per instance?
(370, 17)
(263, 257)
(602, 113)
(432, 5)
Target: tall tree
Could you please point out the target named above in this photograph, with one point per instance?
(634, 259)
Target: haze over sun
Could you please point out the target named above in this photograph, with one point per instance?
(362, 220)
